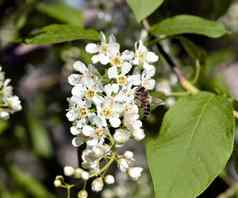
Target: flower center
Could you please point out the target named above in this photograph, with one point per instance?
(90, 94)
(99, 131)
(83, 112)
(107, 112)
(122, 80)
(104, 48)
(116, 61)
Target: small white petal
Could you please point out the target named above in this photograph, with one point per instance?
(127, 55)
(74, 131)
(151, 57)
(88, 131)
(126, 67)
(135, 172)
(103, 59)
(149, 84)
(134, 80)
(149, 71)
(115, 122)
(78, 90)
(95, 59)
(80, 67)
(74, 79)
(91, 48)
(77, 141)
(112, 72)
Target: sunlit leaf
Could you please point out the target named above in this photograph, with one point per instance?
(143, 8)
(182, 24)
(61, 33)
(193, 146)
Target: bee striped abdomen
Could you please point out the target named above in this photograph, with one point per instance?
(142, 96)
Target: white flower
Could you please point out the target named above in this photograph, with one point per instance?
(143, 56)
(97, 184)
(135, 172)
(9, 102)
(103, 50)
(68, 171)
(109, 179)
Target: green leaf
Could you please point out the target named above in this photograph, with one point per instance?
(62, 12)
(143, 8)
(29, 183)
(182, 24)
(61, 33)
(193, 147)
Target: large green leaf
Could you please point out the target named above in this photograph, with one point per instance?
(61, 12)
(194, 144)
(143, 8)
(188, 24)
(61, 33)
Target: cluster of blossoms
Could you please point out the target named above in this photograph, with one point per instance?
(9, 102)
(104, 110)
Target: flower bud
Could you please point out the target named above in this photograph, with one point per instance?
(97, 184)
(135, 172)
(82, 194)
(77, 173)
(109, 179)
(85, 175)
(123, 164)
(68, 171)
(57, 183)
(129, 155)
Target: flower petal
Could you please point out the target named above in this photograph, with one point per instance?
(80, 67)
(112, 72)
(126, 67)
(91, 48)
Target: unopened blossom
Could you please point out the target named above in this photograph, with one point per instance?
(68, 170)
(97, 184)
(109, 179)
(83, 194)
(135, 172)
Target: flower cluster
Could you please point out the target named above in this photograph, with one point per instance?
(104, 110)
(9, 102)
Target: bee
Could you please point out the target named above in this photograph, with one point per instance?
(142, 96)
